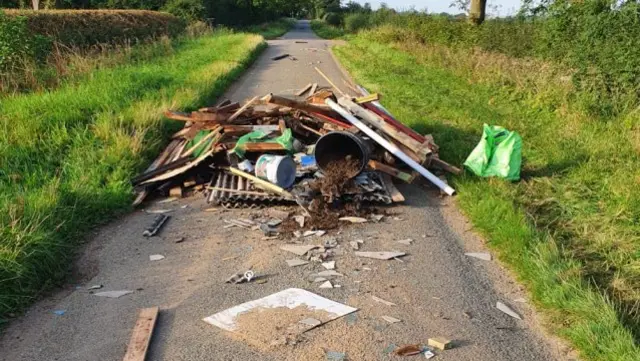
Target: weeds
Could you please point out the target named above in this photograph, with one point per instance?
(326, 31)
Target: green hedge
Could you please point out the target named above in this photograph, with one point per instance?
(601, 43)
(83, 28)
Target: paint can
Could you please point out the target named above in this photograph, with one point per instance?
(277, 169)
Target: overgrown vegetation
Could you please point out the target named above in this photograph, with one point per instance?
(67, 155)
(326, 31)
(273, 29)
(570, 228)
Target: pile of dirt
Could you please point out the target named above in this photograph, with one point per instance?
(338, 179)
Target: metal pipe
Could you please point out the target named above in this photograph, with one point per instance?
(390, 147)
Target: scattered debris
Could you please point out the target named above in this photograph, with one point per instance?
(158, 222)
(326, 284)
(156, 257)
(482, 256)
(355, 245)
(428, 354)
(329, 273)
(319, 279)
(329, 265)
(59, 312)
(330, 243)
(299, 250)
(95, 287)
(380, 255)
(113, 294)
(506, 309)
(336, 356)
(141, 335)
(521, 300)
(276, 213)
(291, 299)
(353, 219)
(439, 343)
(376, 217)
(299, 220)
(377, 299)
(241, 277)
(390, 319)
(179, 239)
(408, 350)
(296, 262)
(407, 241)
(278, 57)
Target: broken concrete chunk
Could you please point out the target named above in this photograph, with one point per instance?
(390, 319)
(297, 234)
(113, 294)
(299, 250)
(355, 245)
(330, 243)
(319, 279)
(296, 262)
(482, 256)
(268, 230)
(327, 284)
(380, 255)
(353, 219)
(299, 220)
(336, 356)
(376, 217)
(439, 343)
(156, 257)
(407, 241)
(329, 265)
(506, 309)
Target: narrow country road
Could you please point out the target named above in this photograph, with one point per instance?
(438, 291)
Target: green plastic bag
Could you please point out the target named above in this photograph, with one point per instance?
(499, 154)
(286, 140)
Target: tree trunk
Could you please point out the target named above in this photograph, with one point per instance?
(477, 11)
(36, 4)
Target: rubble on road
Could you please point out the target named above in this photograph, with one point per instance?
(330, 157)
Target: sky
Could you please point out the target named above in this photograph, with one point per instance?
(506, 7)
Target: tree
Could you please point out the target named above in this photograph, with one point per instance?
(477, 11)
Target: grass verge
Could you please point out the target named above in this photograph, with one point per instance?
(67, 155)
(569, 229)
(273, 29)
(326, 31)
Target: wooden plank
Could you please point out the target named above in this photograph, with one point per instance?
(242, 109)
(330, 82)
(282, 126)
(206, 138)
(313, 89)
(375, 165)
(437, 162)
(181, 116)
(141, 336)
(158, 162)
(369, 98)
(304, 90)
(231, 107)
(258, 147)
(391, 120)
(208, 117)
(376, 121)
(304, 106)
(396, 196)
(262, 183)
(182, 169)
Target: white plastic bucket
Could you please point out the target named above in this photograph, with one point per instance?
(276, 169)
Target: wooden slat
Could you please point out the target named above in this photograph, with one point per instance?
(410, 132)
(396, 196)
(141, 336)
(313, 89)
(242, 109)
(304, 90)
(304, 106)
(375, 165)
(369, 98)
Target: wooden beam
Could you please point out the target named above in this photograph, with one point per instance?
(242, 109)
(330, 82)
(141, 336)
(304, 106)
(437, 162)
(206, 138)
(375, 165)
(258, 147)
(391, 120)
(376, 121)
(313, 89)
(396, 196)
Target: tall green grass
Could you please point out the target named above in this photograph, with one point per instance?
(326, 31)
(67, 155)
(570, 228)
(273, 29)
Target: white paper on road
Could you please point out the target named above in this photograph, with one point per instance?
(290, 298)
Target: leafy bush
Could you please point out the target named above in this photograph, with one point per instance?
(82, 28)
(17, 44)
(326, 31)
(190, 10)
(355, 22)
(333, 19)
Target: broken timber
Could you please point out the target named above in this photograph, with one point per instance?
(141, 336)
